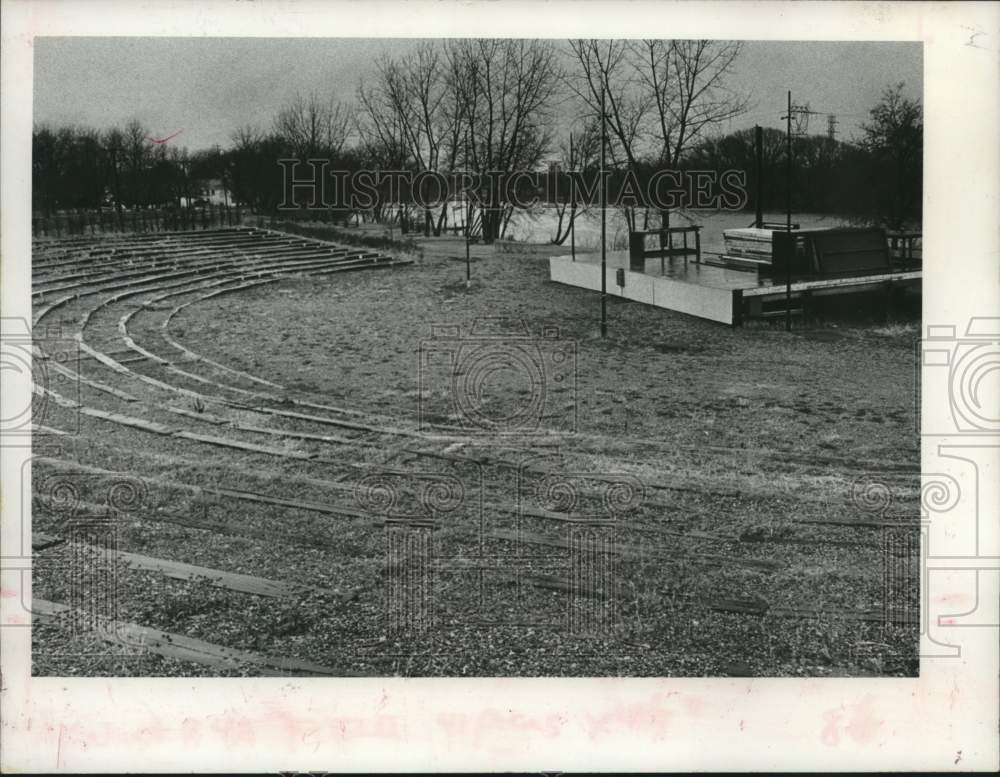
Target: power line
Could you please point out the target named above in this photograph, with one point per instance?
(800, 115)
(789, 251)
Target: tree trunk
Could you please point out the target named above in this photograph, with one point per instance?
(491, 221)
(560, 235)
(441, 221)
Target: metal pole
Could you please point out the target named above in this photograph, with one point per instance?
(604, 225)
(758, 143)
(572, 205)
(468, 209)
(788, 225)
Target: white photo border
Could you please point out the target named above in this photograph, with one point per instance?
(945, 719)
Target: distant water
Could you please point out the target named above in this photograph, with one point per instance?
(540, 227)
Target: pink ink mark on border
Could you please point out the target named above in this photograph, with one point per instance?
(858, 721)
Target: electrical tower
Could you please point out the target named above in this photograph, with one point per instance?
(800, 115)
(831, 126)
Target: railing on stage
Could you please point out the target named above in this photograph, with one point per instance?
(638, 252)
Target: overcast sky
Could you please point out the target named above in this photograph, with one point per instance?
(206, 87)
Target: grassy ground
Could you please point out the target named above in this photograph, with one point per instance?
(844, 386)
(718, 466)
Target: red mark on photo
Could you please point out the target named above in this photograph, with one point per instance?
(168, 137)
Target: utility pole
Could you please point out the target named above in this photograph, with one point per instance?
(789, 245)
(604, 224)
(831, 126)
(758, 144)
(801, 113)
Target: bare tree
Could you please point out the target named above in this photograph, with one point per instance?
(894, 138)
(686, 82)
(246, 136)
(604, 68)
(313, 127)
(505, 93)
(578, 153)
(380, 129)
(413, 98)
(661, 96)
(605, 65)
(114, 143)
(45, 168)
(382, 144)
(136, 147)
(414, 88)
(481, 104)
(182, 185)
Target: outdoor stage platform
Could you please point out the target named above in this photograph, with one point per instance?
(707, 291)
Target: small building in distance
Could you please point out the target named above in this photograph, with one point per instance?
(210, 191)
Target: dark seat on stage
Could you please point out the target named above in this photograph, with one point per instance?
(842, 251)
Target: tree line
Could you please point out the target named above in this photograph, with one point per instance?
(121, 168)
(502, 105)
(876, 179)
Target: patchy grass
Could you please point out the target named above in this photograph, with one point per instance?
(745, 444)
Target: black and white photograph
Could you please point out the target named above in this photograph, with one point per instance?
(370, 376)
(530, 356)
